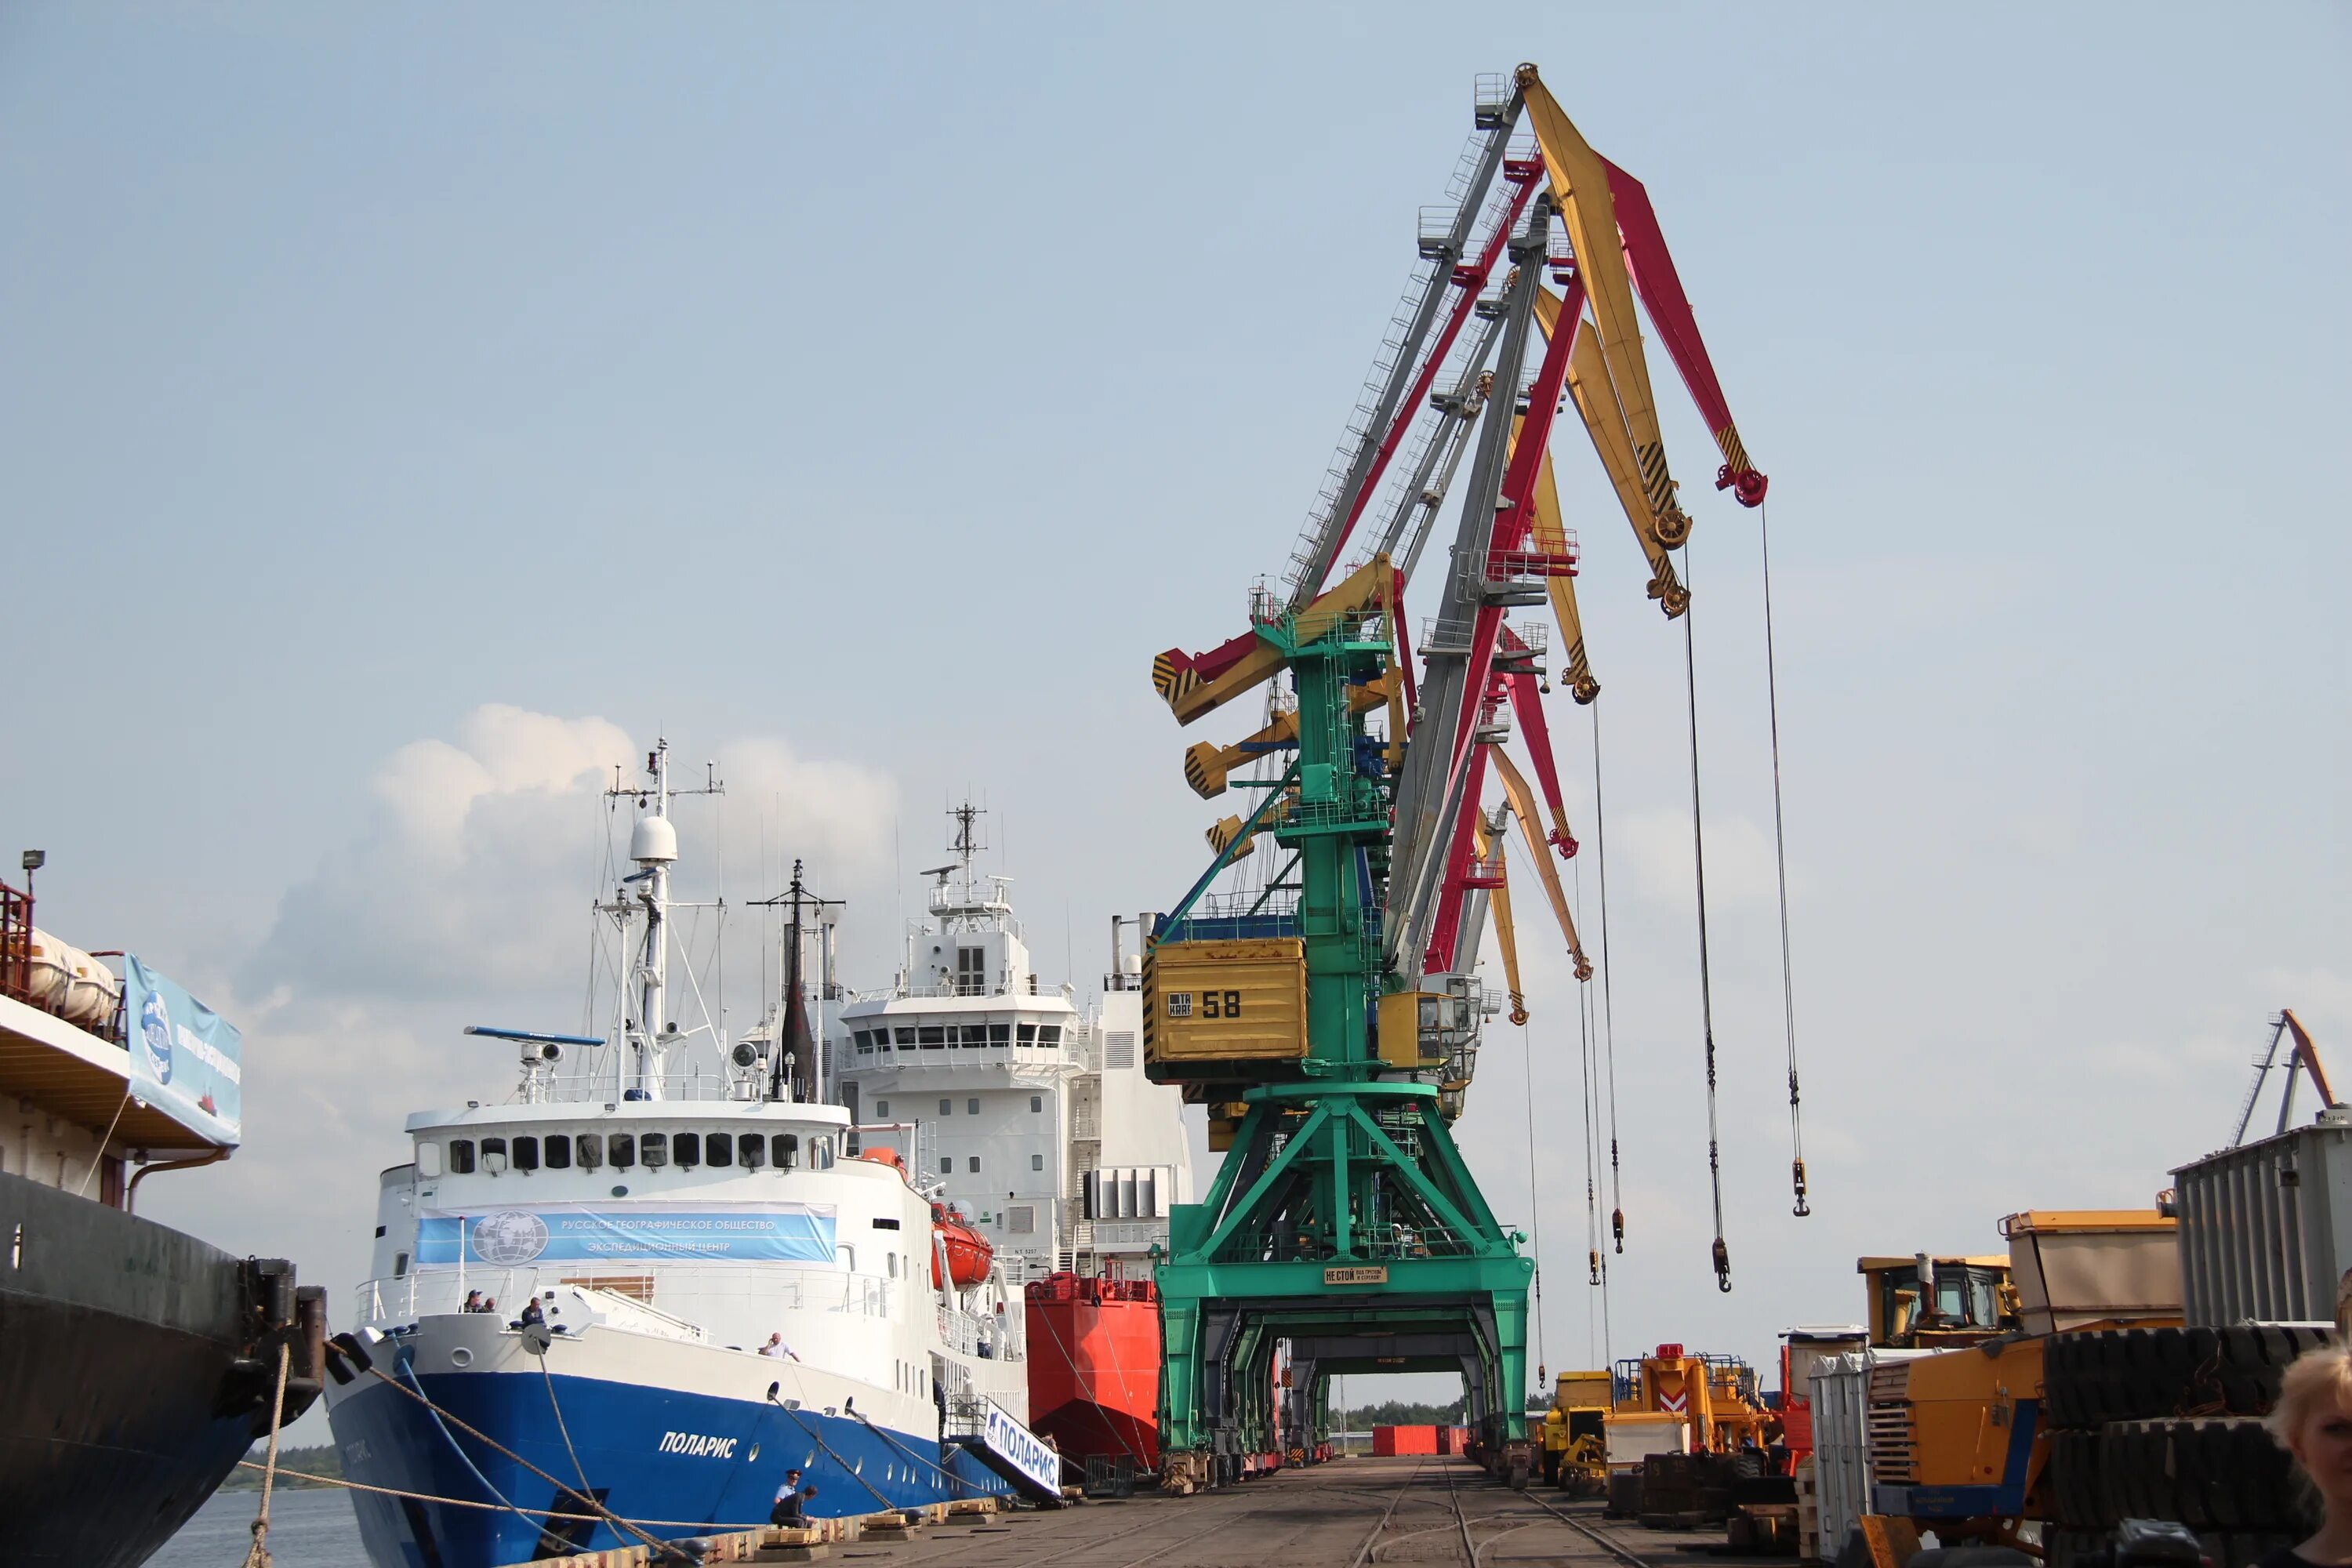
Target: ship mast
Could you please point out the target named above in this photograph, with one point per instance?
(793, 1068)
(652, 846)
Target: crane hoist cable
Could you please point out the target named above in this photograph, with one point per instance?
(1607, 1001)
(1535, 1208)
(1592, 1143)
(1590, 1130)
(1722, 1253)
(1780, 856)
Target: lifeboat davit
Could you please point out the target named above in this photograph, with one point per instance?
(968, 1252)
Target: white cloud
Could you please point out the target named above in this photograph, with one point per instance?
(474, 872)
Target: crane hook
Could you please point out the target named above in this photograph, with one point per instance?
(1592, 1258)
(1722, 1267)
(1617, 1228)
(1797, 1169)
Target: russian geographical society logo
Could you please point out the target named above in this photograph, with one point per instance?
(155, 1034)
(509, 1237)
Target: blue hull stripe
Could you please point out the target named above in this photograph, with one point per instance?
(720, 1471)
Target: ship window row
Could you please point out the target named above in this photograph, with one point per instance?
(624, 1150)
(964, 1036)
(947, 1107)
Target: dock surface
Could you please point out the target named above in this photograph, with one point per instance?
(1349, 1513)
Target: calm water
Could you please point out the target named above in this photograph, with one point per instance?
(307, 1530)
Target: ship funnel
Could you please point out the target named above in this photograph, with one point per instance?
(653, 839)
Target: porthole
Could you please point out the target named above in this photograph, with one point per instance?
(461, 1357)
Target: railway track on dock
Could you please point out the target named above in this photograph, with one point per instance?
(1429, 1513)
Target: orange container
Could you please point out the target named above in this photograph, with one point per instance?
(1393, 1440)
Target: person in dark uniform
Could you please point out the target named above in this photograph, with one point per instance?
(789, 1497)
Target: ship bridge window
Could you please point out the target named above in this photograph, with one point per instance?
(1000, 1034)
(400, 1265)
(947, 1108)
(1028, 1035)
(974, 1035)
(787, 1148)
(526, 1154)
(461, 1156)
(820, 1154)
(591, 1151)
(932, 1036)
(972, 1108)
(755, 1152)
(975, 1165)
(687, 1149)
(655, 1150)
(1049, 1034)
(559, 1153)
(865, 1042)
(905, 1033)
(494, 1155)
(1037, 1104)
(972, 970)
(719, 1148)
(621, 1148)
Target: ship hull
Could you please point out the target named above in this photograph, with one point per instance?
(644, 1441)
(128, 1385)
(1094, 1369)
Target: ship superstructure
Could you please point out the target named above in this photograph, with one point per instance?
(1033, 1115)
(718, 1287)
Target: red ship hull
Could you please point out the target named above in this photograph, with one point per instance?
(1094, 1367)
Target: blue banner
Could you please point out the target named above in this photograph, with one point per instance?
(573, 1232)
(183, 1055)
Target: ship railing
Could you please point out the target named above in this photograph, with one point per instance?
(981, 1334)
(705, 1087)
(438, 1291)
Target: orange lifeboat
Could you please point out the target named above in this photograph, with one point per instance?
(883, 1154)
(968, 1252)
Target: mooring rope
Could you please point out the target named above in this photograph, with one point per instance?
(258, 1554)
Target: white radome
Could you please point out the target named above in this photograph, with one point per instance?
(653, 839)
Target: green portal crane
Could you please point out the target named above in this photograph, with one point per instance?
(1343, 1222)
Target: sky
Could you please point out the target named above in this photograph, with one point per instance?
(409, 414)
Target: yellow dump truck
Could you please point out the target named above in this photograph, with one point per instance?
(1576, 1433)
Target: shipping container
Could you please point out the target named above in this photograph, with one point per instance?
(2266, 1228)
(1392, 1440)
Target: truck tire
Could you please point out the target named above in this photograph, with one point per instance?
(2075, 1480)
(2212, 1474)
(2092, 1379)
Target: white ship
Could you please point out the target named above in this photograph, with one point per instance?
(1034, 1117)
(671, 1211)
